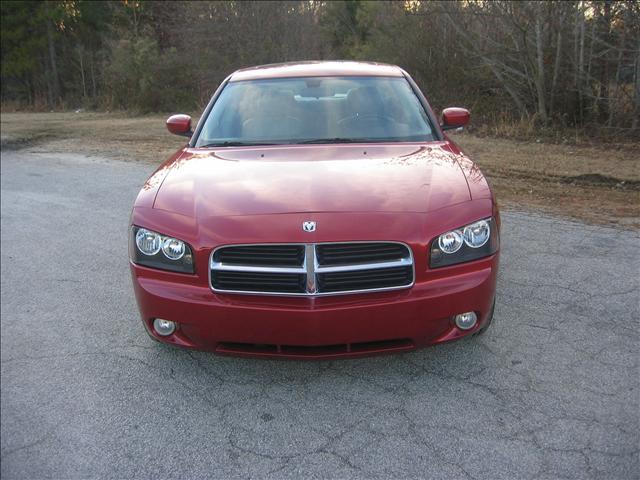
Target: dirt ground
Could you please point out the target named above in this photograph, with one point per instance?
(596, 184)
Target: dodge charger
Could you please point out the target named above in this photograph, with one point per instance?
(318, 210)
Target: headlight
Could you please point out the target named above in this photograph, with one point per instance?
(477, 234)
(471, 242)
(148, 242)
(152, 249)
(173, 248)
(450, 242)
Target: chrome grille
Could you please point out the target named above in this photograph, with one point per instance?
(311, 269)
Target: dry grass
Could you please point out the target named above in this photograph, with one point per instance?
(104, 134)
(595, 184)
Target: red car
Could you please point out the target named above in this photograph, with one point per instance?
(318, 211)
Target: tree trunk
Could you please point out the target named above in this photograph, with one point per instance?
(539, 78)
(587, 83)
(556, 67)
(93, 79)
(616, 88)
(29, 84)
(55, 80)
(636, 94)
(82, 76)
(47, 80)
(581, 71)
(576, 56)
(604, 93)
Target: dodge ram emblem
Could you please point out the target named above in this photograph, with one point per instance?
(309, 226)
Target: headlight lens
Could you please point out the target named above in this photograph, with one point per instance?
(477, 234)
(450, 242)
(173, 248)
(471, 242)
(148, 242)
(152, 249)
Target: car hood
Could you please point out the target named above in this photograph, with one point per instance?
(313, 178)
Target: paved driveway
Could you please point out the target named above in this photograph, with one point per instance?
(550, 392)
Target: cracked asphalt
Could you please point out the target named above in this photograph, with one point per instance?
(551, 391)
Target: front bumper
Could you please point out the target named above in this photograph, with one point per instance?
(317, 327)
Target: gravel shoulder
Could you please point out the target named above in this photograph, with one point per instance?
(551, 391)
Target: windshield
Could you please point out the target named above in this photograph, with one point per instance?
(316, 110)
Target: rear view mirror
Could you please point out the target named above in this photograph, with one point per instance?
(180, 125)
(454, 117)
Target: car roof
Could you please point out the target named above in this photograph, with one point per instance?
(316, 69)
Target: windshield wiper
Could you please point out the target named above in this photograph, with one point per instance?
(235, 144)
(336, 140)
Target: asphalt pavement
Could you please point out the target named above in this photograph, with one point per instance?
(551, 391)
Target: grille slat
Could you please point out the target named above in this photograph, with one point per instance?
(258, 282)
(366, 274)
(268, 256)
(312, 269)
(343, 254)
(331, 282)
(329, 278)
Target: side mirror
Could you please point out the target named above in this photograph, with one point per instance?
(180, 125)
(454, 117)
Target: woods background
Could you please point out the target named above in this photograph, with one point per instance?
(521, 67)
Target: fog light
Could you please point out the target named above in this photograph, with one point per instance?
(164, 328)
(466, 321)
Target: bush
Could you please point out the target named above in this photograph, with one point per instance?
(142, 78)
